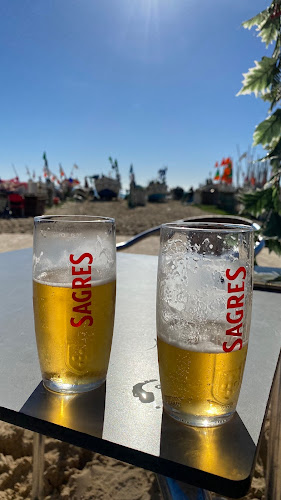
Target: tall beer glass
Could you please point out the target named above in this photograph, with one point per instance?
(74, 278)
(204, 300)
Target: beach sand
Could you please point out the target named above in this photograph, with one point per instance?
(75, 473)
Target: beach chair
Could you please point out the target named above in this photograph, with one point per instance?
(226, 219)
(174, 490)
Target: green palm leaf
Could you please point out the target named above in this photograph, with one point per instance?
(264, 80)
(257, 202)
(256, 20)
(273, 226)
(269, 31)
(268, 129)
(259, 78)
(273, 245)
(273, 96)
(275, 152)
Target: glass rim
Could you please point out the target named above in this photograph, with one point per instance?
(74, 218)
(209, 227)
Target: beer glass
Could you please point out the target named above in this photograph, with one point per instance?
(204, 300)
(74, 281)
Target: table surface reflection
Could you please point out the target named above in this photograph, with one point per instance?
(123, 418)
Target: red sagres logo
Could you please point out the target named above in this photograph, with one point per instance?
(82, 295)
(235, 308)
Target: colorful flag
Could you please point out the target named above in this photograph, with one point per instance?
(46, 171)
(62, 174)
(45, 159)
(227, 172)
(217, 175)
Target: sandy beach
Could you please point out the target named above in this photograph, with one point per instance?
(71, 472)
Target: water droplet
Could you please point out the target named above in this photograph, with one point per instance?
(139, 392)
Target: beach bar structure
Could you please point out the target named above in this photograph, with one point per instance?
(220, 195)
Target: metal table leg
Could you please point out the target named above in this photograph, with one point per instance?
(273, 468)
(37, 492)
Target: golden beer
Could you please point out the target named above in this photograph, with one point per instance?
(73, 354)
(200, 385)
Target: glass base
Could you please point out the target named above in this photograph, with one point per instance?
(71, 389)
(197, 420)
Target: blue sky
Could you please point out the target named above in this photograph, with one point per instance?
(149, 82)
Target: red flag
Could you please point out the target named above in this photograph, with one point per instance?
(227, 172)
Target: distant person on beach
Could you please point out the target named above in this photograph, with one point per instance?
(188, 196)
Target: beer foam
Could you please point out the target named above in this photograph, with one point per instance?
(56, 278)
(200, 336)
(204, 346)
(53, 253)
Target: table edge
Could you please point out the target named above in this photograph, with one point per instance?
(156, 464)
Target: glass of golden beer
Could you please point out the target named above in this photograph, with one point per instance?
(74, 282)
(204, 301)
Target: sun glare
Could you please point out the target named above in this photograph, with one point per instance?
(151, 11)
(145, 27)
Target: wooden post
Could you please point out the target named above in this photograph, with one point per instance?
(273, 469)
